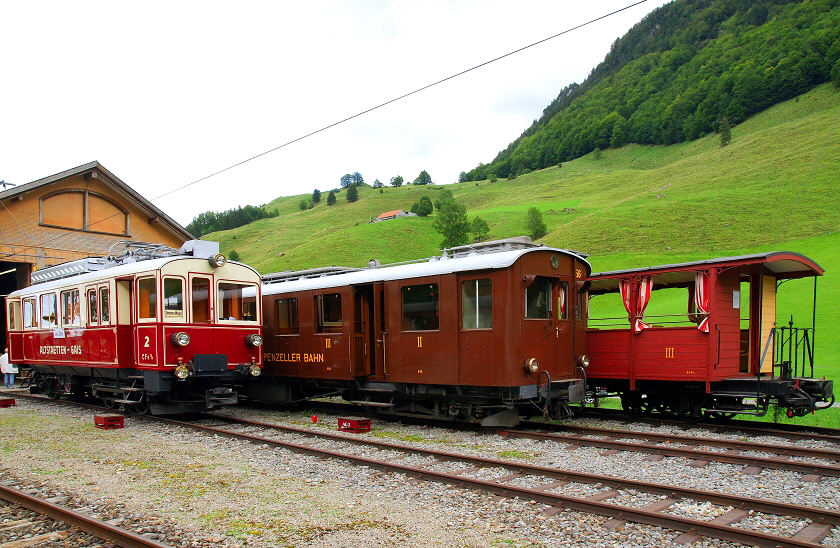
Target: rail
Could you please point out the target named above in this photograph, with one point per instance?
(793, 348)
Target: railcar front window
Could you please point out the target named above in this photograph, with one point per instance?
(538, 299)
(173, 298)
(329, 313)
(476, 304)
(71, 313)
(201, 300)
(147, 298)
(420, 307)
(238, 301)
(30, 314)
(287, 316)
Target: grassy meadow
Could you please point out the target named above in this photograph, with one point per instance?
(775, 187)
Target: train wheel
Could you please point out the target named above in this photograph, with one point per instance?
(52, 390)
(143, 407)
(109, 403)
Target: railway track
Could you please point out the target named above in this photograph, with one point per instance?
(754, 456)
(63, 519)
(607, 496)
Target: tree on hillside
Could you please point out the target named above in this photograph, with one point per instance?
(480, 229)
(316, 196)
(424, 207)
(423, 179)
(377, 184)
(331, 198)
(534, 225)
(211, 221)
(357, 178)
(397, 181)
(452, 223)
(346, 179)
(352, 193)
(725, 131)
(443, 196)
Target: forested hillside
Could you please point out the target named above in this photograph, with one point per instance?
(685, 69)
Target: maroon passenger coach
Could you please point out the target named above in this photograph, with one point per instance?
(482, 333)
(703, 338)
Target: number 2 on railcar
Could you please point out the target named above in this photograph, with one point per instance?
(153, 328)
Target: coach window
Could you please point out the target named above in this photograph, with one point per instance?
(329, 313)
(476, 304)
(147, 298)
(538, 299)
(93, 310)
(238, 301)
(173, 298)
(200, 300)
(104, 304)
(563, 301)
(420, 307)
(48, 318)
(14, 315)
(287, 316)
(71, 314)
(30, 314)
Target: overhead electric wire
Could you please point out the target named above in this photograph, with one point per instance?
(418, 90)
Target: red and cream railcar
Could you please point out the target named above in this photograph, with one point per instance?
(155, 328)
(482, 333)
(702, 337)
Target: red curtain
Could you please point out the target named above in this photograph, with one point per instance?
(645, 287)
(702, 283)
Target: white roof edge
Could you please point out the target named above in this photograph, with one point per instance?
(486, 261)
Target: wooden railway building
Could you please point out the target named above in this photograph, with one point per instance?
(74, 214)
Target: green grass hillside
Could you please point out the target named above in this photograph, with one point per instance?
(774, 187)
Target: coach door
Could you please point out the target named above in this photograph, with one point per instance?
(547, 327)
(363, 346)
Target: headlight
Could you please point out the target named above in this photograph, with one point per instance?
(583, 361)
(180, 339)
(217, 260)
(254, 340)
(532, 365)
(255, 370)
(182, 371)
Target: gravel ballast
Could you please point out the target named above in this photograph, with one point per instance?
(191, 489)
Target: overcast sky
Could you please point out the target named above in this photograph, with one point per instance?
(165, 93)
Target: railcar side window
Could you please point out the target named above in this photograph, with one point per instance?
(48, 318)
(71, 313)
(287, 316)
(200, 300)
(147, 298)
(238, 301)
(563, 301)
(173, 298)
(104, 303)
(329, 313)
(93, 314)
(30, 314)
(14, 315)
(538, 299)
(476, 304)
(420, 307)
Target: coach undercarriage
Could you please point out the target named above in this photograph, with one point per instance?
(138, 391)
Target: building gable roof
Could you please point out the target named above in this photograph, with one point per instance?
(134, 199)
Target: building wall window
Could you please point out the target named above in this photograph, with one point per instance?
(84, 210)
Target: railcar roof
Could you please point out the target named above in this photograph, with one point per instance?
(783, 264)
(435, 266)
(106, 273)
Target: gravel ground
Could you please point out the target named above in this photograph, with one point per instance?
(190, 489)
